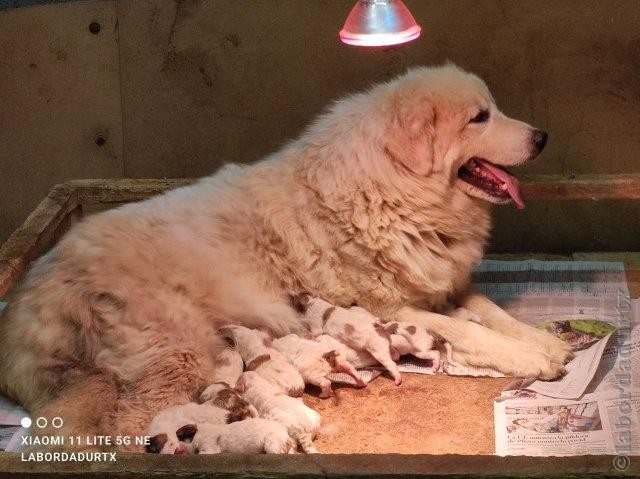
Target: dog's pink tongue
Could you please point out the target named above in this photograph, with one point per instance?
(513, 186)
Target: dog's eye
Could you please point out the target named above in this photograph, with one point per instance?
(481, 117)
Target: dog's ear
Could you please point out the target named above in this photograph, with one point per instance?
(227, 334)
(300, 302)
(391, 328)
(410, 135)
(186, 432)
(331, 357)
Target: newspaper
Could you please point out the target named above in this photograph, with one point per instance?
(594, 409)
(601, 423)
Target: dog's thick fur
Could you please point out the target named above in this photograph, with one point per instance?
(365, 207)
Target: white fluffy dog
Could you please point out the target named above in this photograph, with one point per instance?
(384, 202)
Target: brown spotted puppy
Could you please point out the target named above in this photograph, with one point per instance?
(315, 361)
(356, 327)
(410, 339)
(165, 429)
(255, 349)
(221, 394)
(229, 367)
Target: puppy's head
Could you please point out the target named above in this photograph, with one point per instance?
(444, 121)
(164, 444)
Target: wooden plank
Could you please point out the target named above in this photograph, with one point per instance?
(106, 191)
(35, 234)
(541, 188)
(583, 187)
(323, 466)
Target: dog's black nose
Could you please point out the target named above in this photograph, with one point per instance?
(540, 139)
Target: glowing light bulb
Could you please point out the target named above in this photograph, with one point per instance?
(374, 23)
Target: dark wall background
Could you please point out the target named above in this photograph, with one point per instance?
(179, 87)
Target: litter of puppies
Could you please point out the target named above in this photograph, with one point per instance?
(254, 405)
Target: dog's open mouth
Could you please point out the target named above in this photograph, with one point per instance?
(492, 180)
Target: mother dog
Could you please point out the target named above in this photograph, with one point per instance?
(383, 201)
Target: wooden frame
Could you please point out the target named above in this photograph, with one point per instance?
(318, 466)
(63, 206)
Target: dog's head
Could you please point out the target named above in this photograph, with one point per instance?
(445, 120)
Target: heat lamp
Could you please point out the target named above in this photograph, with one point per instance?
(375, 23)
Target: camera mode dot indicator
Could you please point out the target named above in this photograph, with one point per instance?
(25, 422)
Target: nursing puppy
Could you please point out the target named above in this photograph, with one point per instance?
(255, 348)
(229, 367)
(220, 393)
(355, 327)
(252, 436)
(414, 340)
(315, 362)
(383, 201)
(359, 358)
(166, 428)
(301, 422)
(224, 396)
(425, 350)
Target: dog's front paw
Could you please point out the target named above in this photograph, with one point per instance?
(541, 366)
(531, 364)
(558, 350)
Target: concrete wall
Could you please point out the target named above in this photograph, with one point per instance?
(179, 87)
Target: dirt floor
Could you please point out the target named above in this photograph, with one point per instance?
(425, 415)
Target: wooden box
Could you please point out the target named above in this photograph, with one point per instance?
(65, 205)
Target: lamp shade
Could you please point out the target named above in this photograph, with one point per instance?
(378, 23)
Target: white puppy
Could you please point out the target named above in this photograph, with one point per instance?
(301, 422)
(255, 349)
(165, 427)
(315, 361)
(356, 327)
(251, 436)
